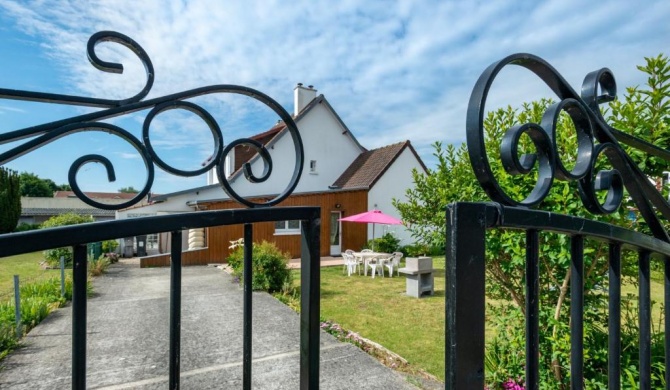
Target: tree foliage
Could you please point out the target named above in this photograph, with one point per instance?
(34, 186)
(128, 190)
(10, 200)
(644, 112)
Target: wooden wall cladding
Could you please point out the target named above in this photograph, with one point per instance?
(219, 238)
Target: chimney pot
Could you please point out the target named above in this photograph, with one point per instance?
(310, 86)
(299, 84)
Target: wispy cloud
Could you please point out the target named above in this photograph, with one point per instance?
(129, 156)
(393, 71)
(4, 109)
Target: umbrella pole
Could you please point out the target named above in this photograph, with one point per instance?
(373, 236)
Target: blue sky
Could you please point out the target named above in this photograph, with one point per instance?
(392, 70)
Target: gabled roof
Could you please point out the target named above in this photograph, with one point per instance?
(270, 137)
(369, 166)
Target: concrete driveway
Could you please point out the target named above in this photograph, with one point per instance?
(128, 346)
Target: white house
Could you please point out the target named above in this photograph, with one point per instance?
(339, 174)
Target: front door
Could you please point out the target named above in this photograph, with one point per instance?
(335, 233)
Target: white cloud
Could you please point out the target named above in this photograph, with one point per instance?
(4, 109)
(393, 71)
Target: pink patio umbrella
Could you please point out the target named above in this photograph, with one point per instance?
(373, 217)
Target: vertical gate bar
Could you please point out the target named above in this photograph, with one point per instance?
(310, 281)
(79, 276)
(666, 301)
(247, 306)
(614, 326)
(645, 321)
(532, 309)
(175, 309)
(577, 312)
(465, 303)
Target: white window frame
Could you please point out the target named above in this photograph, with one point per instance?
(286, 230)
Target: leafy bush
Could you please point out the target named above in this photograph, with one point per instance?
(24, 227)
(387, 243)
(52, 256)
(109, 246)
(505, 353)
(419, 249)
(270, 270)
(414, 250)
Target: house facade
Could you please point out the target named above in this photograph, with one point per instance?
(339, 175)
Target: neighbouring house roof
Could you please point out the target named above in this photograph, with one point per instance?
(96, 195)
(369, 166)
(42, 211)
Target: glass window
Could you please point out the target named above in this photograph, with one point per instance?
(287, 227)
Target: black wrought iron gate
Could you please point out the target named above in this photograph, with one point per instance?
(78, 236)
(467, 224)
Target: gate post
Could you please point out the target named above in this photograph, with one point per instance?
(465, 299)
(310, 282)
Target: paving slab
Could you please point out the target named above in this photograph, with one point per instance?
(128, 333)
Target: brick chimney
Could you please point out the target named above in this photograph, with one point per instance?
(302, 97)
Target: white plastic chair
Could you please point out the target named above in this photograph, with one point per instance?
(358, 260)
(394, 262)
(375, 263)
(350, 264)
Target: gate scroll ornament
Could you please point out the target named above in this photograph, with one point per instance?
(49, 132)
(594, 137)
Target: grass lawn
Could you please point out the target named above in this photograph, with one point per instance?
(379, 310)
(27, 266)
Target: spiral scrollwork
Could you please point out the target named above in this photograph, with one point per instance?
(49, 132)
(594, 138)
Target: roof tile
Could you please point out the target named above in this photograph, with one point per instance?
(369, 166)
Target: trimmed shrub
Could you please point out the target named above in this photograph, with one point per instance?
(387, 243)
(270, 270)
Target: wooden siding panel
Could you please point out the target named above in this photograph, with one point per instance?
(219, 238)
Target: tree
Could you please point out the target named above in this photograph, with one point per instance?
(32, 185)
(10, 200)
(644, 113)
(128, 190)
